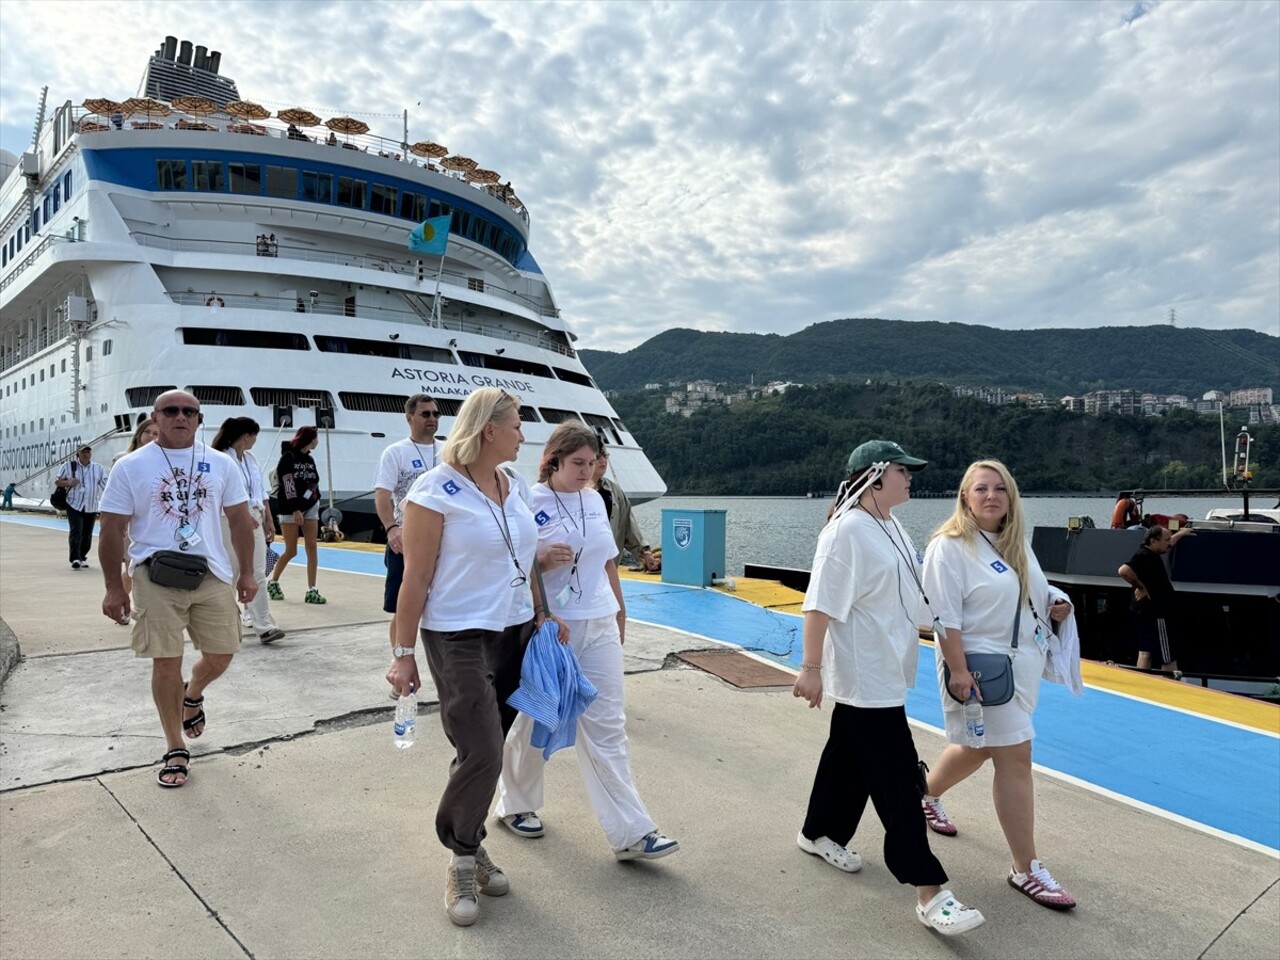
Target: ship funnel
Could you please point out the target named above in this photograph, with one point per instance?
(202, 58)
(184, 54)
(215, 61)
(170, 47)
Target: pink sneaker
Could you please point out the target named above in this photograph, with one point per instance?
(1040, 886)
(937, 818)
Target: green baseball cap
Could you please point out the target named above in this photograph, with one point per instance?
(878, 451)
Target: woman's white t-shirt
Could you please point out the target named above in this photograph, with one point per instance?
(973, 590)
(157, 487)
(863, 579)
(471, 588)
(578, 591)
(522, 599)
(251, 471)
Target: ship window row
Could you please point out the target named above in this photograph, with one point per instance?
(41, 213)
(22, 383)
(357, 402)
(315, 186)
(222, 337)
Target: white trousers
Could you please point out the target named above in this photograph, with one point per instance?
(259, 607)
(601, 745)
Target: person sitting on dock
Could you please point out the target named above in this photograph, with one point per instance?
(1153, 597)
(1127, 512)
(861, 648)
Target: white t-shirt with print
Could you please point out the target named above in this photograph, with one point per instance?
(401, 464)
(86, 495)
(155, 486)
(862, 579)
(972, 589)
(580, 520)
(472, 587)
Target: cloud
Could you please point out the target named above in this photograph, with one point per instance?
(763, 166)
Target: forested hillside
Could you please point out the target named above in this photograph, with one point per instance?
(1158, 359)
(797, 442)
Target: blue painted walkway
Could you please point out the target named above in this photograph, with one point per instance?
(1202, 769)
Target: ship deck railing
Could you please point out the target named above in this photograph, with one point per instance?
(216, 300)
(30, 344)
(286, 251)
(367, 143)
(33, 253)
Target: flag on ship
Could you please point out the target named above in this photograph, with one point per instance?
(430, 236)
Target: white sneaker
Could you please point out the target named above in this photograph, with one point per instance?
(460, 900)
(489, 876)
(649, 847)
(840, 857)
(524, 824)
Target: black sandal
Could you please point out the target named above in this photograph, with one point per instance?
(197, 720)
(173, 769)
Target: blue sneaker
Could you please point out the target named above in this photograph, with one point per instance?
(524, 824)
(650, 847)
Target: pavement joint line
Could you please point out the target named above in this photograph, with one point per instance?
(178, 873)
(1265, 890)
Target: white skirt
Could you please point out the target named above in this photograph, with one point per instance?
(1007, 725)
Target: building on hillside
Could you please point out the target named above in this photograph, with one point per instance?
(779, 386)
(1216, 396)
(653, 386)
(1126, 402)
(1072, 404)
(1250, 396)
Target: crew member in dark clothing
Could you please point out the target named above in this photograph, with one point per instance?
(1153, 597)
(297, 497)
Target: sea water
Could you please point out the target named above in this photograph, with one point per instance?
(783, 531)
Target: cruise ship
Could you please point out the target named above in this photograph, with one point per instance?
(189, 238)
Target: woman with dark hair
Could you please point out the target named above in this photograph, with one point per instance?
(297, 497)
(990, 597)
(861, 647)
(236, 438)
(577, 549)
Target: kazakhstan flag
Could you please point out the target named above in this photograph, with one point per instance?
(430, 236)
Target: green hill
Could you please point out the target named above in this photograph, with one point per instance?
(1158, 359)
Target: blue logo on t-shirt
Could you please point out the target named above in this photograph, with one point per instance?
(541, 518)
(417, 464)
(998, 567)
(451, 488)
(202, 467)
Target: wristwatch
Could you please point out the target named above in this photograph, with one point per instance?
(399, 652)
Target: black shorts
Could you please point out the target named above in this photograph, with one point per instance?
(1155, 636)
(394, 563)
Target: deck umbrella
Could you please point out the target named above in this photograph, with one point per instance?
(103, 106)
(145, 106)
(479, 175)
(299, 117)
(194, 106)
(457, 162)
(347, 125)
(246, 110)
(425, 148)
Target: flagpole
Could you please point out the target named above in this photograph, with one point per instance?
(435, 302)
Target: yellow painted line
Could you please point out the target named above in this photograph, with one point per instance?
(354, 545)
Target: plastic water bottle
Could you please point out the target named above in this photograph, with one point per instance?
(975, 731)
(406, 725)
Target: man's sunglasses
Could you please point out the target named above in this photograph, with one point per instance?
(188, 412)
(429, 414)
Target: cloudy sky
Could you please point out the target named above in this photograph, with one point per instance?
(764, 166)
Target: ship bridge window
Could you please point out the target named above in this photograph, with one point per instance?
(528, 415)
(66, 186)
(206, 175)
(374, 402)
(317, 187)
(291, 397)
(282, 182)
(603, 426)
(351, 192)
(383, 348)
(438, 208)
(413, 206)
(170, 175)
(48, 205)
(476, 284)
(270, 339)
(57, 197)
(552, 415)
(146, 396)
(245, 178)
(382, 199)
(572, 376)
(507, 364)
(216, 396)
(35, 219)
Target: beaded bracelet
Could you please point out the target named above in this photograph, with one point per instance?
(810, 666)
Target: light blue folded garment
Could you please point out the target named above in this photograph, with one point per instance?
(553, 691)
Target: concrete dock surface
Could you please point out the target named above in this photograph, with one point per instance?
(303, 832)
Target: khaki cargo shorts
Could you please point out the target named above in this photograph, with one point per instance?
(208, 613)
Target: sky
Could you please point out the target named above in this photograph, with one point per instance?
(760, 167)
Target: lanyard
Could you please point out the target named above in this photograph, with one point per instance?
(184, 505)
(424, 459)
(504, 528)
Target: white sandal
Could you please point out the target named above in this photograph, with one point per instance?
(947, 915)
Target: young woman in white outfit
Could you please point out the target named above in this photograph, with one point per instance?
(861, 647)
(978, 572)
(577, 550)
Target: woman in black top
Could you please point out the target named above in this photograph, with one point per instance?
(297, 497)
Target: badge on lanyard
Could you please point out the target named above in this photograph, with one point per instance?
(1041, 638)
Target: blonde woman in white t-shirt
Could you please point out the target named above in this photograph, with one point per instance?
(577, 550)
(469, 545)
(861, 648)
(978, 573)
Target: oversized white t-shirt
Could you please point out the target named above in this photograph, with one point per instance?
(155, 487)
(863, 580)
(972, 589)
(251, 471)
(401, 464)
(521, 600)
(472, 587)
(580, 520)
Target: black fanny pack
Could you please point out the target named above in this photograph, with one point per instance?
(176, 570)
